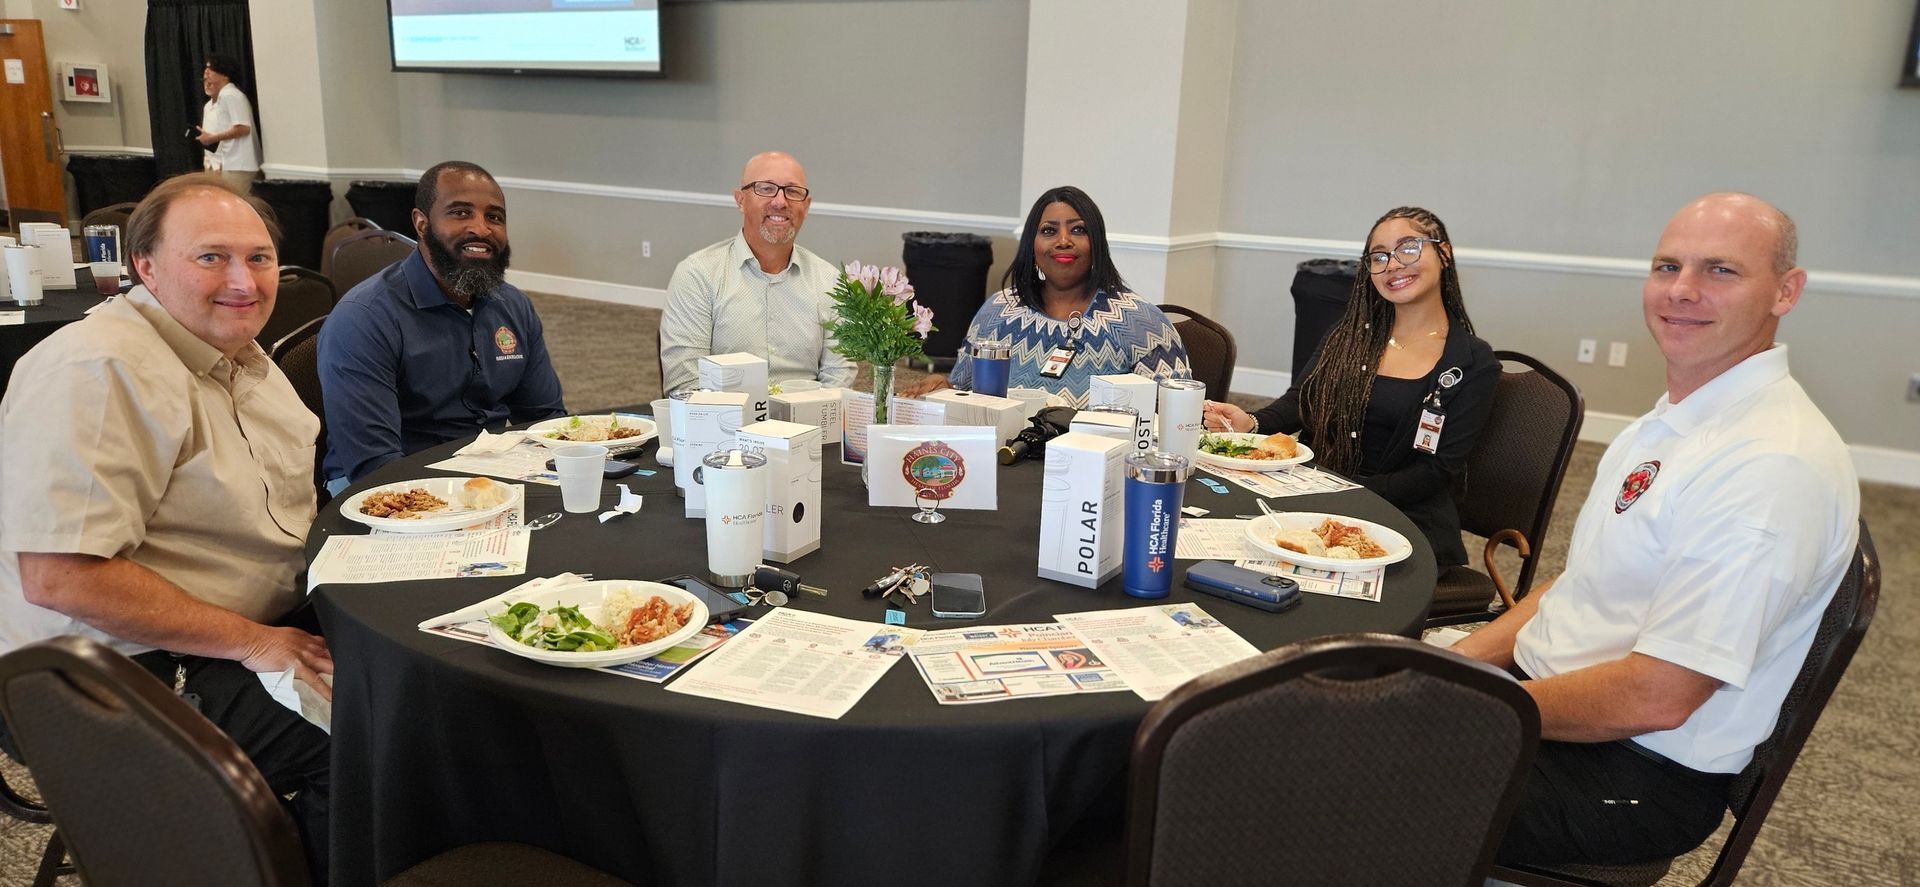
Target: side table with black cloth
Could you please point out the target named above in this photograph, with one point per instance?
(387, 204)
(949, 274)
(57, 308)
(439, 743)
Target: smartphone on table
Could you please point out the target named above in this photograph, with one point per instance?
(958, 596)
(720, 605)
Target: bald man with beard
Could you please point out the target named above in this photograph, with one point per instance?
(756, 292)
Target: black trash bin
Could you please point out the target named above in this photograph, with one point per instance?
(949, 275)
(387, 204)
(302, 207)
(106, 179)
(1320, 291)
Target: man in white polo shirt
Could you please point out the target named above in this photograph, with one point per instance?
(1718, 527)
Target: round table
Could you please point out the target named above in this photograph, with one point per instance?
(439, 743)
(57, 308)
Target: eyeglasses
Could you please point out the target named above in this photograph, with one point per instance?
(1408, 250)
(794, 193)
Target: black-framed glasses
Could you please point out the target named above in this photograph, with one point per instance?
(765, 189)
(1407, 250)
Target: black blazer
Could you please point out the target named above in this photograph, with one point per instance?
(1421, 484)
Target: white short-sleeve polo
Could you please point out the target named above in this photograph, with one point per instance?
(1715, 534)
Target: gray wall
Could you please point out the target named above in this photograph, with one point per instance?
(1578, 129)
(110, 32)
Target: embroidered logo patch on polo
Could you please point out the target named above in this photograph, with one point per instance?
(1637, 483)
(504, 340)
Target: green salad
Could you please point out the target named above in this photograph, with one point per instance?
(557, 628)
(1225, 446)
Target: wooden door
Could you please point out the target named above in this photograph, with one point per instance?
(29, 142)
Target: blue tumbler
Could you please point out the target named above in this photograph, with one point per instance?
(990, 362)
(1155, 482)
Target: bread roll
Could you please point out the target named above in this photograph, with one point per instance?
(482, 493)
(1279, 446)
(1302, 541)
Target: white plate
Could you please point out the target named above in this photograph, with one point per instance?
(540, 431)
(454, 517)
(1248, 437)
(1261, 530)
(588, 596)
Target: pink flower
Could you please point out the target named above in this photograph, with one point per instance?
(922, 320)
(894, 283)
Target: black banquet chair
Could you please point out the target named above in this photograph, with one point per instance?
(337, 233)
(1512, 479)
(304, 295)
(146, 791)
(1210, 349)
(1297, 767)
(298, 355)
(360, 256)
(1842, 626)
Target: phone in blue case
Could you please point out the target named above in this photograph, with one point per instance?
(1243, 586)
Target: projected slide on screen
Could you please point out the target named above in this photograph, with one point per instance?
(608, 36)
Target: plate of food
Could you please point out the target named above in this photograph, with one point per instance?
(1327, 541)
(591, 624)
(618, 432)
(1251, 451)
(429, 505)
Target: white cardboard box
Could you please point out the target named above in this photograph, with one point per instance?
(56, 253)
(714, 420)
(793, 486)
(738, 371)
(1082, 513)
(1005, 414)
(1129, 390)
(1103, 424)
(819, 407)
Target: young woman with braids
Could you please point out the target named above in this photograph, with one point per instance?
(1403, 347)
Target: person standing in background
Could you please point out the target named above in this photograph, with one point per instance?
(226, 124)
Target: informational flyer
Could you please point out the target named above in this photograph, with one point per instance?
(1293, 480)
(991, 663)
(1219, 539)
(1360, 584)
(796, 661)
(654, 670)
(525, 461)
(400, 558)
(1155, 649)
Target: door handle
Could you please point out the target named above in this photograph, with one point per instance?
(46, 135)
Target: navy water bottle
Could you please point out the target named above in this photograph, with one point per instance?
(990, 363)
(1155, 484)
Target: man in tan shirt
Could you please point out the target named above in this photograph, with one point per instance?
(157, 485)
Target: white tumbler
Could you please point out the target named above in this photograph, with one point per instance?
(663, 431)
(6, 288)
(1181, 404)
(677, 424)
(736, 483)
(23, 274)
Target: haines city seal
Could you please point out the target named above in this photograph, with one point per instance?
(933, 466)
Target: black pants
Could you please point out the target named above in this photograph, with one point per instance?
(1611, 803)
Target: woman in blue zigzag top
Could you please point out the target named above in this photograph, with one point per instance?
(1062, 294)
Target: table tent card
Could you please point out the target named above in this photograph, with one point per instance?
(714, 420)
(956, 463)
(792, 451)
(1081, 513)
(1115, 425)
(56, 253)
(1134, 391)
(968, 408)
(819, 407)
(741, 372)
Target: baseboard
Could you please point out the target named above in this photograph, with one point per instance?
(597, 290)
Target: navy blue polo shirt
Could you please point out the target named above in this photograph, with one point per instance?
(402, 368)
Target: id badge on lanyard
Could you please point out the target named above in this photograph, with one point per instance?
(1061, 356)
(1433, 416)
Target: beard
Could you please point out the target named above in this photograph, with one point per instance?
(779, 236)
(468, 277)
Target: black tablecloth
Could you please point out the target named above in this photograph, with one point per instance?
(59, 308)
(438, 743)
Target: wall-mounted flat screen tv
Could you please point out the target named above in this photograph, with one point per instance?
(592, 37)
(1910, 65)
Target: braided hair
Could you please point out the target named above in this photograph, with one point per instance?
(1334, 394)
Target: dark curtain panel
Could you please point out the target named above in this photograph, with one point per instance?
(180, 36)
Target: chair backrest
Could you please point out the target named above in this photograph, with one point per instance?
(1296, 766)
(298, 354)
(360, 256)
(1842, 626)
(304, 295)
(116, 214)
(1514, 473)
(1210, 349)
(337, 233)
(142, 788)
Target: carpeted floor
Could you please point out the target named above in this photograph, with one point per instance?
(1840, 819)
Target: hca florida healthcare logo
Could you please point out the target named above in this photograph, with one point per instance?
(933, 469)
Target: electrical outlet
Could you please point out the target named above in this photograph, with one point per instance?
(646, 249)
(1617, 354)
(1913, 388)
(1587, 347)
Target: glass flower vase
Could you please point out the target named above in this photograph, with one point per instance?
(882, 392)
